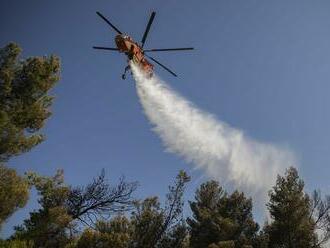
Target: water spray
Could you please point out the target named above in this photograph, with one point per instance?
(222, 152)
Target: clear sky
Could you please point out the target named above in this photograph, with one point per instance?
(261, 66)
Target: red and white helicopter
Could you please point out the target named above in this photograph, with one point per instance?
(135, 51)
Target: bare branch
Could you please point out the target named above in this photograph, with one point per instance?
(320, 213)
(100, 200)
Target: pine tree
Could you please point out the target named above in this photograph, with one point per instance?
(221, 219)
(63, 207)
(47, 227)
(24, 108)
(290, 209)
(14, 192)
(150, 225)
(156, 226)
(24, 99)
(114, 233)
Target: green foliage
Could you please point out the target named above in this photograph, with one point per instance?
(223, 244)
(24, 108)
(99, 199)
(220, 219)
(290, 210)
(177, 237)
(115, 233)
(48, 226)
(16, 244)
(52, 190)
(14, 192)
(147, 219)
(91, 239)
(149, 225)
(156, 226)
(262, 240)
(24, 99)
(62, 206)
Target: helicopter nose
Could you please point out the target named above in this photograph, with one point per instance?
(118, 37)
(120, 42)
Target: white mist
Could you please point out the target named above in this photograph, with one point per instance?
(223, 152)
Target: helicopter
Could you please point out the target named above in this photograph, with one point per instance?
(134, 51)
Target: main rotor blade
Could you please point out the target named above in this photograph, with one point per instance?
(106, 48)
(148, 28)
(162, 65)
(107, 21)
(169, 49)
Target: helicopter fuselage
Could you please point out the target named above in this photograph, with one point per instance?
(134, 52)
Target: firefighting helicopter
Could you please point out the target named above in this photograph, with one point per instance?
(135, 51)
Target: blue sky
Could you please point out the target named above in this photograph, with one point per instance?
(261, 66)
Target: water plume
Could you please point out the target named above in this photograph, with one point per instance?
(222, 152)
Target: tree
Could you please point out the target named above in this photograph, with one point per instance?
(177, 237)
(155, 226)
(147, 219)
(24, 107)
(223, 244)
(15, 244)
(221, 219)
(47, 227)
(289, 209)
(14, 192)
(54, 224)
(149, 225)
(320, 215)
(203, 230)
(115, 233)
(99, 200)
(24, 99)
(173, 227)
